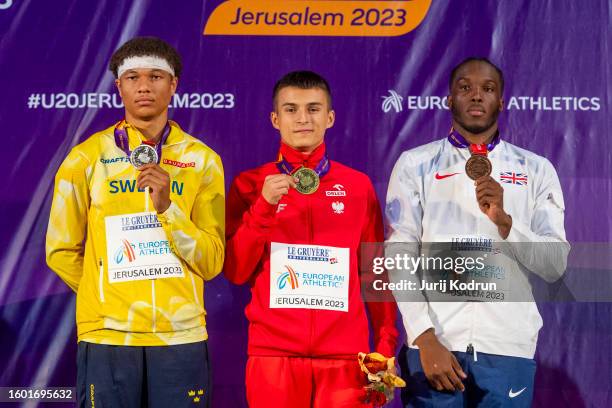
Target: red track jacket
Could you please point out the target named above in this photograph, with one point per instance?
(253, 223)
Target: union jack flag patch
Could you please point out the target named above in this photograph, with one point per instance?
(510, 177)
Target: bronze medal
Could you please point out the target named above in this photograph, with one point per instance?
(478, 166)
(308, 180)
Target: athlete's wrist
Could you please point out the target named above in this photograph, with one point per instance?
(163, 206)
(426, 338)
(505, 226)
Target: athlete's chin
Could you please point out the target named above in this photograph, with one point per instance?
(146, 113)
(478, 127)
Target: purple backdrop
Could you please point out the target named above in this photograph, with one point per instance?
(387, 90)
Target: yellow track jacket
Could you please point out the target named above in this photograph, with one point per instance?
(97, 181)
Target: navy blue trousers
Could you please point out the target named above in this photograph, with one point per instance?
(137, 377)
(493, 381)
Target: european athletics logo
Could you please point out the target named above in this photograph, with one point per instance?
(6, 4)
(289, 277)
(125, 250)
(392, 101)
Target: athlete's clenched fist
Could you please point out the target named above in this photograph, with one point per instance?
(158, 181)
(276, 186)
(490, 196)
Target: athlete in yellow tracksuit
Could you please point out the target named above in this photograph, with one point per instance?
(136, 245)
(96, 181)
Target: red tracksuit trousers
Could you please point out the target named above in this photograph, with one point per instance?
(297, 382)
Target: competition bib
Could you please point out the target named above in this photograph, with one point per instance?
(137, 249)
(309, 277)
(467, 267)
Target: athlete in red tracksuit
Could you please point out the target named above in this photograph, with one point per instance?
(301, 355)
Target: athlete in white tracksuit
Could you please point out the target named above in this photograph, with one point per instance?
(431, 199)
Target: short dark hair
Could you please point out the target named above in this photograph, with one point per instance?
(302, 80)
(141, 46)
(476, 59)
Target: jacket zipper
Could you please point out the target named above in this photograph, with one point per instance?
(470, 348)
(101, 280)
(310, 242)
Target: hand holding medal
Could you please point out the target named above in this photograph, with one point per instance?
(140, 156)
(276, 186)
(489, 193)
(490, 196)
(306, 180)
(146, 158)
(156, 182)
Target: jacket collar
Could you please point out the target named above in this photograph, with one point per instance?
(298, 159)
(135, 137)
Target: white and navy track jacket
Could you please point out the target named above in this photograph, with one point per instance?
(431, 199)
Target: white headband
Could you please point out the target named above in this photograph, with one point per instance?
(145, 61)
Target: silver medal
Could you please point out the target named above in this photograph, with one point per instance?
(143, 154)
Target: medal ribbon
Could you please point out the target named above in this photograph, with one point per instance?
(457, 140)
(284, 166)
(121, 140)
(479, 149)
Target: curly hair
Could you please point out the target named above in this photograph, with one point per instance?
(141, 46)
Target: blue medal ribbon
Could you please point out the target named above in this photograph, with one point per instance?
(457, 140)
(322, 168)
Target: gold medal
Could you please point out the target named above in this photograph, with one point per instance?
(308, 180)
(478, 166)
